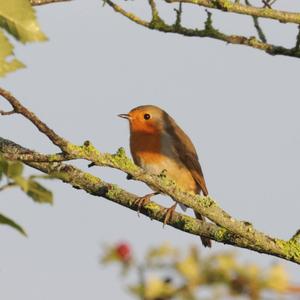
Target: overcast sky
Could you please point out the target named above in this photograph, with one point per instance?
(239, 106)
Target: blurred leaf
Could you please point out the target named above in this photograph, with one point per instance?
(13, 169)
(189, 267)
(137, 290)
(109, 256)
(3, 165)
(38, 193)
(277, 278)
(162, 251)
(216, 276)
(6, 221)
(18, 18)
(8, 63)
(225, 264)
(252, 271)
(157, 288)
(34, 190)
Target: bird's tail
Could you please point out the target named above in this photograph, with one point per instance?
(205, 241)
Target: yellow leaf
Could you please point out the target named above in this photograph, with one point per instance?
(157, 288)
(189, 267)
(8, 63)
(18, 18)
(277, 278)
(253, 271)
(162, 251)
(226, 262)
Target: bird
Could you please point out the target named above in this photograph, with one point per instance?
(158, 144)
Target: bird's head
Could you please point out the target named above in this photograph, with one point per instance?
(147, 119)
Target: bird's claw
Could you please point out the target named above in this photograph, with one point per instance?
(142, 201)
(169, 214)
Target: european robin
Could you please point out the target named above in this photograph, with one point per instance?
(157, 143)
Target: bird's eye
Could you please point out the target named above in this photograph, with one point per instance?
(147, 116)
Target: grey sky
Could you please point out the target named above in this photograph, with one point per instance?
(239, 106)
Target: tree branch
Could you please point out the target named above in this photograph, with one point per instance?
(154, 10)
(127, 14)
(205, 205)
(238, 8)
(18, 108)
(37, 157)
(211, 32)
(258, 28)
(43, 2)
(7, 186)
(97, 187)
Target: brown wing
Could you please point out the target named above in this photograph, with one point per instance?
(186, 152)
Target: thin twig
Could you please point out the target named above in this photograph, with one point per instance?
(259, 30)
(6, 113)
(154, 10)
(268, 3)
(178, 15)
(43, 2)
(7, 186)
(129, 15)
(208, 25)
(297, 45)
(41, 126)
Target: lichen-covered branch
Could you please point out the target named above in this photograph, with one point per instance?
(226, 224)
(239, 8)
(157, 23)
(97, 187)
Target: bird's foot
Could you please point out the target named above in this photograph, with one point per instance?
(142, 201)
(129, 177)
(169, 214)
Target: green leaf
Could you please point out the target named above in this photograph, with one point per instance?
(38, 193)
(14, 169)
(3, 166)
(34, 190)
(22, 183)
(6, 221)
(18, 18)
(6, 50)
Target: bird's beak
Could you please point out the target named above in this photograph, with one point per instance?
(124, 116)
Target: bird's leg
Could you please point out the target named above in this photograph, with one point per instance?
(142, 201)
(169, 213)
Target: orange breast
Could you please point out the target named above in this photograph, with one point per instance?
(150, 153)
(145, 147)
